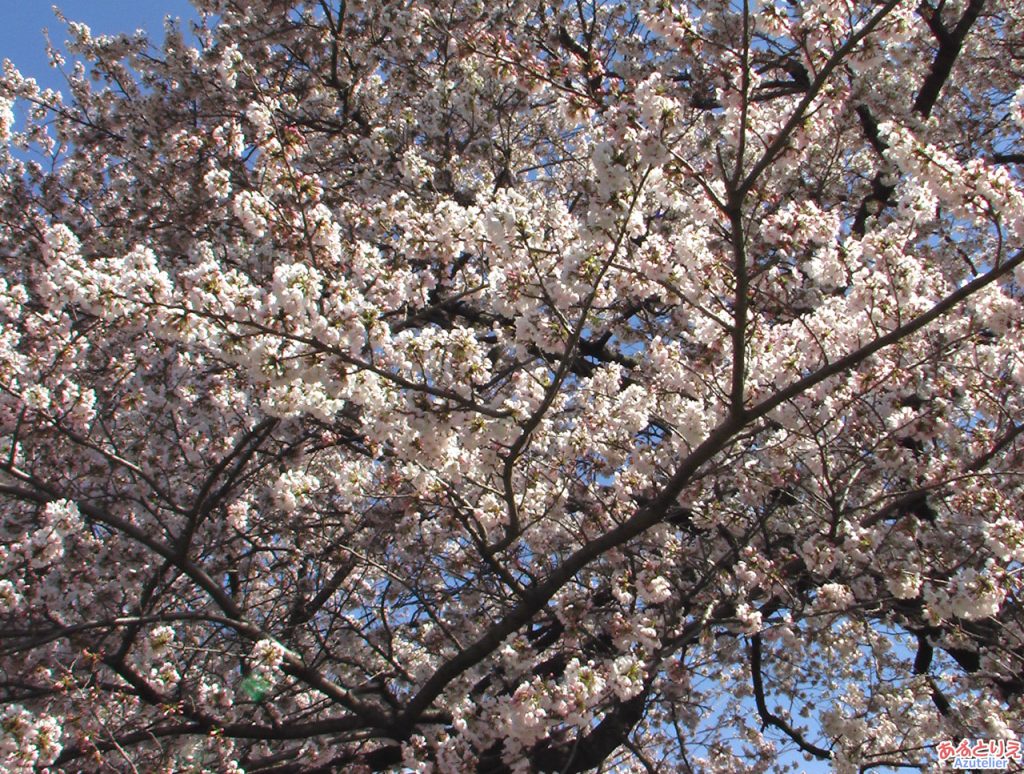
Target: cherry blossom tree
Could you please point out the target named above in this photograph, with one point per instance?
(515, 386)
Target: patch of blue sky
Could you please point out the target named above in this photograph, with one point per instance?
(23, 34)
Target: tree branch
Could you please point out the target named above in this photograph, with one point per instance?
(770, 718)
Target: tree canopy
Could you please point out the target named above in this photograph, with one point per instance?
(515, 386)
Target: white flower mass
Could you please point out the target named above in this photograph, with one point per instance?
(452, 386)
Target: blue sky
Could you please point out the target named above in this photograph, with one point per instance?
(21, 28)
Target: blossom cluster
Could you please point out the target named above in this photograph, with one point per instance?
(459, 386)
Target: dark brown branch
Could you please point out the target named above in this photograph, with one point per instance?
(781, 140)
(240, 456)
(950, 44)
(594, 748)
(768, 717)
(1008, 158)
(579, 753)
(922, 664)
(232, 730)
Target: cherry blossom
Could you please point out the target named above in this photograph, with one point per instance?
(459, 387)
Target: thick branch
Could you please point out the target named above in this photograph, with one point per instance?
(950, 43)
(768, 717)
